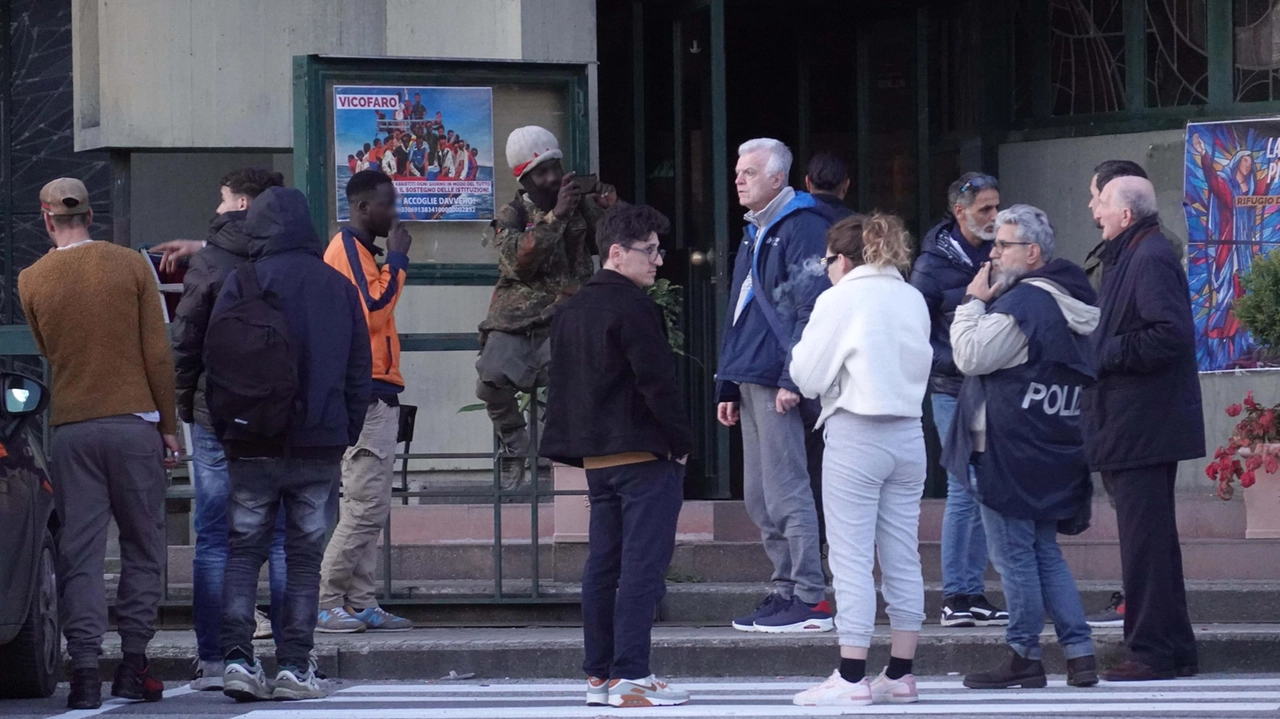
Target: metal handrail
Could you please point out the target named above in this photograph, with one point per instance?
(17, 341)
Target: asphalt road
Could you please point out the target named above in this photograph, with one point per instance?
(1205, 696)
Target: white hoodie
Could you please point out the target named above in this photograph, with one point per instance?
(866, 347)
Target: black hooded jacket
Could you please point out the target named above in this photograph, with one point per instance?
(942, 273)
(326, 328)
(225, 248)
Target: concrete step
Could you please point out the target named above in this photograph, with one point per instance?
(716, 561)
(427, 654)
(471, 603)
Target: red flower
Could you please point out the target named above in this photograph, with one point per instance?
(1247, 479)
(1234, 410)
(1272, 464)
(1248, 401)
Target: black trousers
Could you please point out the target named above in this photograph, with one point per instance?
(630, 541)
(814, 447)
(1157, 628)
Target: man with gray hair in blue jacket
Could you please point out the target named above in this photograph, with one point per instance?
(777, 277)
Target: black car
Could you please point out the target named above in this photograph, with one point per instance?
(30, 638)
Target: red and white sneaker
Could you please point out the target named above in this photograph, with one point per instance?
(894, 691)
(836, 692)
(647, 692)
(597, 692)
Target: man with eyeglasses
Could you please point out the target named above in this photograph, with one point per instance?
(951, 254)
(1021, 338)
(777, 277)
(614, 406)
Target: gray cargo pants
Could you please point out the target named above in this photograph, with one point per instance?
(775, 488)
(103, 468)
(511, 363)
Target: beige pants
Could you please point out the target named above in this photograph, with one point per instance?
(346, 574)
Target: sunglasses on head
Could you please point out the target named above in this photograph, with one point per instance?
(975, 183)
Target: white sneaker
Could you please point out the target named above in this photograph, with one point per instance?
(836, 692)
(262, 625)
(245, 682)
(298, 684)
(647, 692)
(894, 691)
(597, 692)
(208, 676)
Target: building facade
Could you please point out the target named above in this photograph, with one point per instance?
(157, 99)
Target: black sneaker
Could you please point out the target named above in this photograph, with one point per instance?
(955, 611)
(137, 685)
(986, 614)
(1112, 616)
(86, 689)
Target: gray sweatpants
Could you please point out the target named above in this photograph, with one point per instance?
(872, 480)
(103, 468)
(775, 487)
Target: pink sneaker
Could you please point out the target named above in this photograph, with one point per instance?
(894, 691)
(836, 692)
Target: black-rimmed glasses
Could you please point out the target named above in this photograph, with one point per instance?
(654, 253)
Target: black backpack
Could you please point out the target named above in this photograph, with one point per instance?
(251, 369)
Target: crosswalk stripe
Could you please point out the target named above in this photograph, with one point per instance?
(762, 710)
(544, 687)
(1075, 695)
(111, 704)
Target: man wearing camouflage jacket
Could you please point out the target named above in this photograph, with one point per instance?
(545, 239)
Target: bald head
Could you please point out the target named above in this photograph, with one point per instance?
(1123, 202)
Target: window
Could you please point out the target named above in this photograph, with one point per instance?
(1256, 43)
(1087, 67)
(1177, 57)
(1023, 61)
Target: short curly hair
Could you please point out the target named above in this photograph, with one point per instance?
(251, 181)
(626, 224)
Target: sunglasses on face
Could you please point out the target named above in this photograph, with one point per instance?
(829, 260)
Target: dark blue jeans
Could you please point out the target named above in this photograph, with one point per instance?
(634, 509)
(209, 480)
(260, 489)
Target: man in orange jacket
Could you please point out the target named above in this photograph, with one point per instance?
(348, 594)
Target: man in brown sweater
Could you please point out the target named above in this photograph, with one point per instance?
(95, 311)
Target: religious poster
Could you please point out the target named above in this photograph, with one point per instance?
(436, 143)
(1231, 197)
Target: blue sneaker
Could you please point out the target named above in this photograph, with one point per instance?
(770, 604)
(378, 619)
(798, 617)
(338, 621)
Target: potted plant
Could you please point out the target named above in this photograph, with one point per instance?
(1258, 310)
(1252, 456)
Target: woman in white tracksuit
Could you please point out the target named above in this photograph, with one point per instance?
(866, 354)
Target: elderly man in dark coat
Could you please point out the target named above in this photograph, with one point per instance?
(1141, 418)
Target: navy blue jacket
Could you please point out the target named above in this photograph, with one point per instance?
(1033, 466)
(787, 277)
(326, 322)
(942, 273)
(1145, 408)
(831, 206)
(613, 381)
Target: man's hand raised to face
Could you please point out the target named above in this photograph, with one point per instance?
(567, 200)
(398, 239)
(981, 288)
